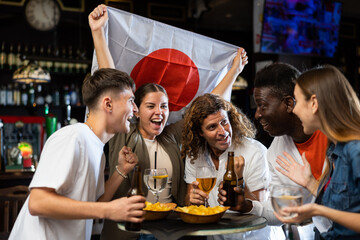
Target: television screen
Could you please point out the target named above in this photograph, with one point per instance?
(309, 27)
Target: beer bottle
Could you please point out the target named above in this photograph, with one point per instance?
(3, 56)
(31, 95)
(136, 189)
(229, 181)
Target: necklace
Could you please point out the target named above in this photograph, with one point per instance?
(88, 124)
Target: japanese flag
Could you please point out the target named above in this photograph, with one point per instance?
(186, 64)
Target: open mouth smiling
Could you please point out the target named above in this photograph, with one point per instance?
(156, 121)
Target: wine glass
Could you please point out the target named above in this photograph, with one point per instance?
(155, 180)
(286, 196)
(206, 177)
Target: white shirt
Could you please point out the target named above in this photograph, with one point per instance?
(71, 163)
(256, 172)
(278, 146)
(264, 209)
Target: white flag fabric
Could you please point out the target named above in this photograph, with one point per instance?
(186, 64)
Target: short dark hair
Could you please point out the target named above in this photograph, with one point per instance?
(280, 77)
(103, 80)
(143, 90)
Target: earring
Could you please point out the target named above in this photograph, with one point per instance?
(110, 111)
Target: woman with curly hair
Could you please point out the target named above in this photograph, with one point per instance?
(212, 128)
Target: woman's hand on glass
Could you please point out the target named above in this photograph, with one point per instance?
(303, 213)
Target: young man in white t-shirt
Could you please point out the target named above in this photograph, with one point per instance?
(68, 189)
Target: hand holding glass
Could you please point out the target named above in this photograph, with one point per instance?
(206, 177)
(155, 180)
(286, 196)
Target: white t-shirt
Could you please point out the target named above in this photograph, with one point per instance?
(71, 163)
(264, 209)
(278, 146)
(256, 171)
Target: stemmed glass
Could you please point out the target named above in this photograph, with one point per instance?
(286, 196)
(155, 180)
(206, 177)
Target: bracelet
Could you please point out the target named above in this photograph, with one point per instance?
(120, 173)
(239, 179)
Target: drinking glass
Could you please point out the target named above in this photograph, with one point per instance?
(206, 177)
(155, 180)
(286, 196)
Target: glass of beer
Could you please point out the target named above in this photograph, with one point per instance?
(206, 177)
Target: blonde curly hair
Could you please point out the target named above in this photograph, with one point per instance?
(201, 108)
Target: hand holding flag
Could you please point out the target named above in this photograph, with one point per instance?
(186, 64)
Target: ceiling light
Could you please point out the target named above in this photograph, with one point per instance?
(31, 72)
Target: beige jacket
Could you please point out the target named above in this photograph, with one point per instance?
(170, 140)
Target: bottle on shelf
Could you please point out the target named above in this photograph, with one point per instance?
(49, 63)
(9, 95)
(39, 98)
(230, 181)
(136, 189)
(57, 64)
(78, 94)
(3, 95)
(55, 96)
(84, 66)
(31, 95)
(46, 109)
(78, 65)
(47, 95)
(24, 95)
(67, 118)
(33, 50)
(19, 60)
(17, 95)
(3, 57)
(42, 62)
(73, 95)
(11, 58)
(26, 54)
(2, 157)
(64, 64)
(66, 95)
(71, 64)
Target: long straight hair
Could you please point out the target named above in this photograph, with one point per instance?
(338, 104)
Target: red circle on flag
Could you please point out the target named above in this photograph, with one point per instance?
(173, 70)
